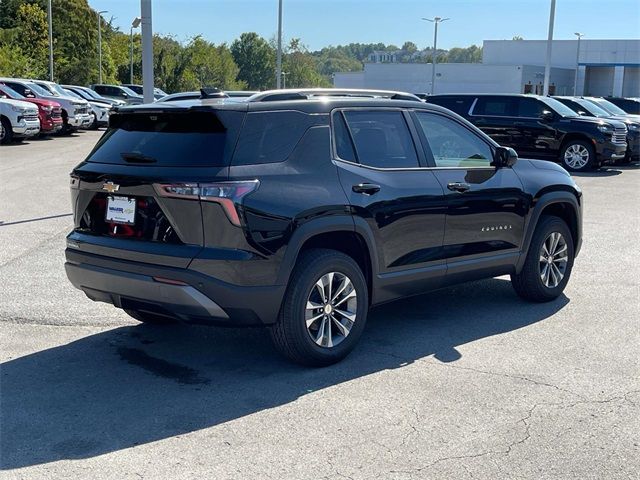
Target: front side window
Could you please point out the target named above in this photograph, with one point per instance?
(451, 144)
(382, 138)
(530, 108)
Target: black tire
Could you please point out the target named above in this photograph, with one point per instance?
(151, 318)
(7, 131)
(528, 284)
(580, 145)
(290, 334)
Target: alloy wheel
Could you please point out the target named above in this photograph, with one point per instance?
(576, 156)
(553, 260)
(331, 309)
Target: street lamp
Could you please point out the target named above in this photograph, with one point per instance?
(435, 21)
(50, 42)
(575, 83)
(100, 45)
(135, 24)
(279, 54)
(547, 68)
(284, 79)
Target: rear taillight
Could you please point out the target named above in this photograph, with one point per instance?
(227, 194)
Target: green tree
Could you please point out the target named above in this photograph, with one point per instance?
(33, 38)
(256, 61)
(210, 66)
(300, 67)
(13, 63)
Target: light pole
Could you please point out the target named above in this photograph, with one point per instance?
(279, 53)
(134, 24)
(435, 21)
(547, 68)
(575, 83)
(147, 51)
(50, 42)
(100, 45)
(284, 79)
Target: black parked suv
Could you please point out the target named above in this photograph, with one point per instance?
(586, 108)
(541, 127)
(629, 105)
(301, 209)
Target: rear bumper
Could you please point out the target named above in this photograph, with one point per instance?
(192, 297)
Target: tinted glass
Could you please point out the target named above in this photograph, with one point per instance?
(269, 137)
(193, 139)
(529, 107)
(452, 145)
(344, 146)
(17, 87)
(495, 106)
(382, 139)
(38, 89)
(459, 105)
(10, 92)
(558, 107)
(608, 106)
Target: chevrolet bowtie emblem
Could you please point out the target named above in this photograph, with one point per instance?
(110, 187)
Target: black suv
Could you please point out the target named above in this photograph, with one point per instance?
(301, 209)
(586, 108)
(629, 105)
(541, 127)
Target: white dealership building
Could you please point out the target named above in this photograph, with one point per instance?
(605, 67)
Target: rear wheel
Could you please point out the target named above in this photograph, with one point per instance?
(148, 317)
(578, 156)
(549, 262)
(324, 310)
(6, 132)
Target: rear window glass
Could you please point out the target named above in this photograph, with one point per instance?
(163, 139)
(459, 105)
(270, 137)
(495, 106)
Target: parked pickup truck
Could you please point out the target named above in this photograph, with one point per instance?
(19, 120)
(49, 112)
(75, 113)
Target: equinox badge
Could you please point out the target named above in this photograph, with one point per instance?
(110, 187)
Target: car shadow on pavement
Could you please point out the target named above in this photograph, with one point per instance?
(137, 384)
(608, 172)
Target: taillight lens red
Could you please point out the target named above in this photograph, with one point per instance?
(227, 194)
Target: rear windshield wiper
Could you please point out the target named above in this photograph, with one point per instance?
(137, 158)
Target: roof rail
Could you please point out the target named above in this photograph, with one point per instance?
(308, 93)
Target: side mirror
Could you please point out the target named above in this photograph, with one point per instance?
(28, 93)
(125, 95)
(505, 157)
(546, 116)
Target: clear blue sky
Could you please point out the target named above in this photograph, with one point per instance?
(331, 22)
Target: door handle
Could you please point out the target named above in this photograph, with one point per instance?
(458, 187)
(366, 188)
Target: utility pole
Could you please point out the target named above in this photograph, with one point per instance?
(279, 54)
(50, 42)
(435, 21)
(547, 68)
(147, 51)
(100, 45)
(134, 24)
(284, 79)
(575, 82)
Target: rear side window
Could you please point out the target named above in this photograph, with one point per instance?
(495, 107)
(344, 145)
(382, 139)
(269, 137)
(530, 107)
(459, 105)
(167, 139)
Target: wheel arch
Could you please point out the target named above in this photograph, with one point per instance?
(576, 136)
(336, 233)
(563, 204)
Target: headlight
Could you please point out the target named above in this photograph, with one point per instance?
(46, 108)
(19, 109)
(605, 128)
(633, 127)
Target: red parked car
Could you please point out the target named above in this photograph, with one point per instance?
(49, 112)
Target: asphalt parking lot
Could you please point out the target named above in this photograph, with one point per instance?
(463, 383)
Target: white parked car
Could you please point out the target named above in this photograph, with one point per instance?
(19, 120)
(75, 113)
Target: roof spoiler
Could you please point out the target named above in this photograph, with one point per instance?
(212, 92)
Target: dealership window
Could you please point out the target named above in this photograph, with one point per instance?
(451, 144)
(382, 138)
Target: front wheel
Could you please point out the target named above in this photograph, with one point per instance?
(578, 156)
(6, 131)
(324, 310)
(549, 262)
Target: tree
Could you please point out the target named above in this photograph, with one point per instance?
(300, 67)
(210, 66)
(256, 61)
(409, 47)
(33, 38)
